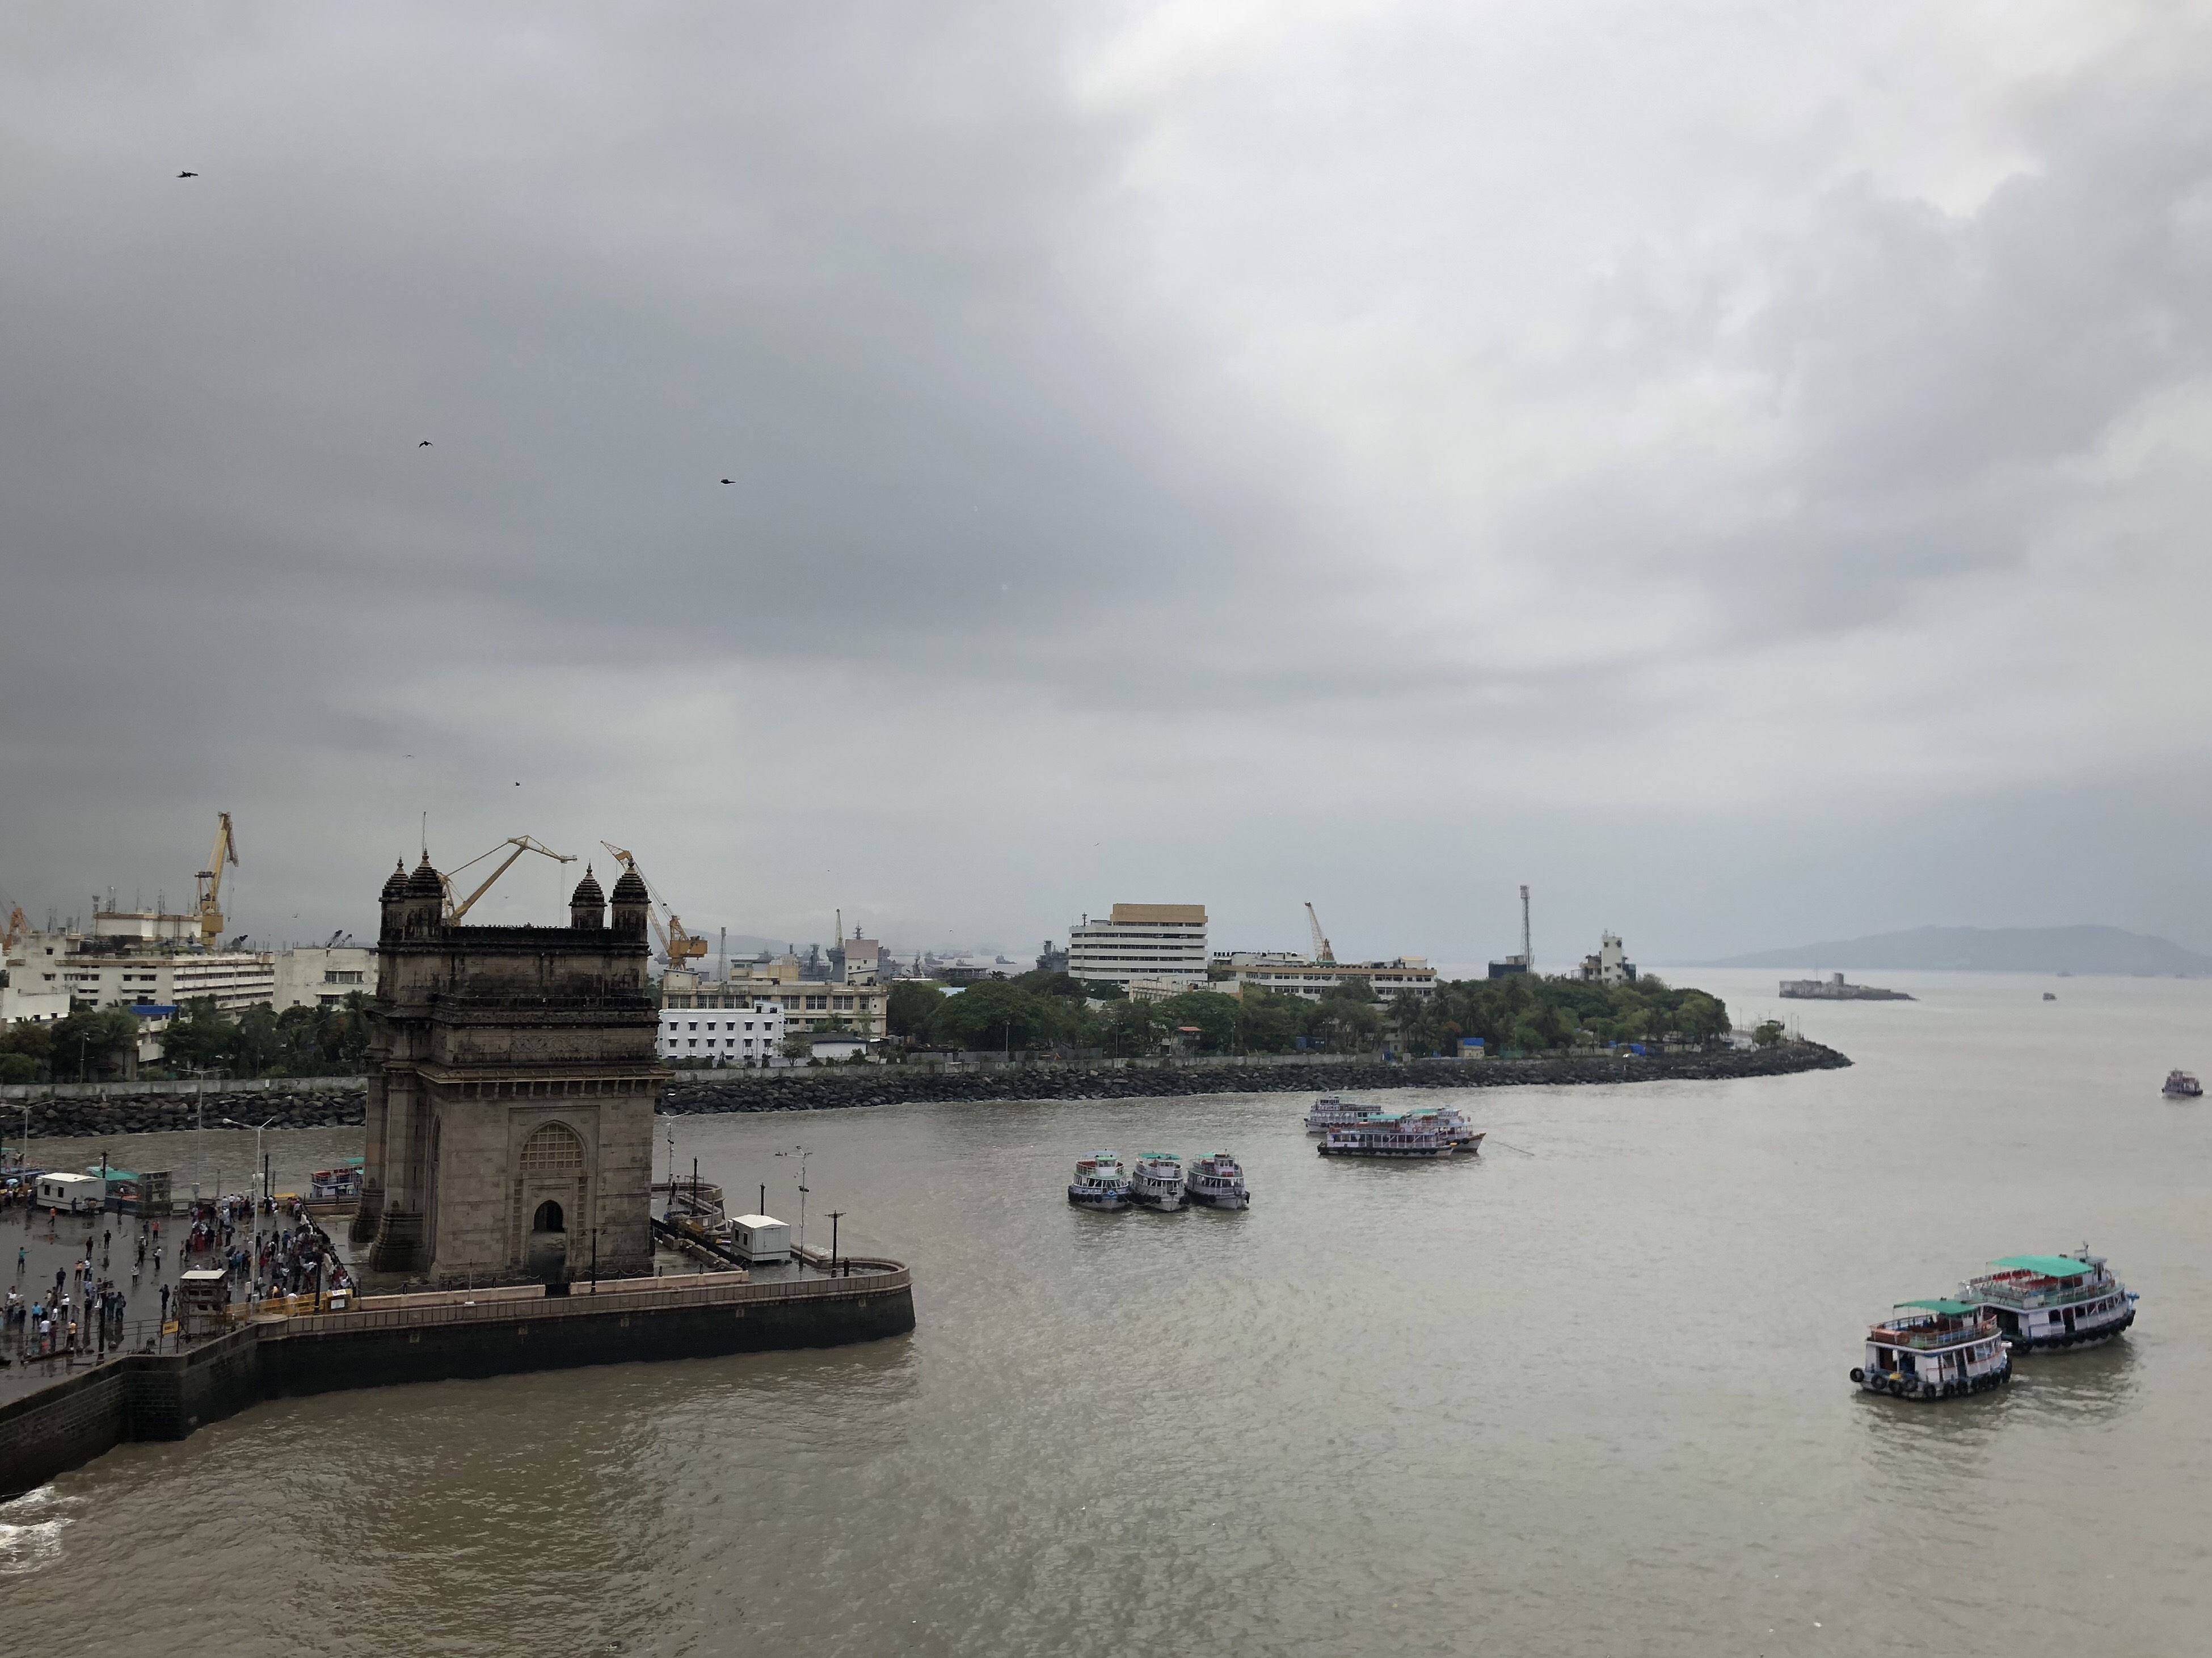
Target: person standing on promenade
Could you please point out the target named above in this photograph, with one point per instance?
(22, 1258)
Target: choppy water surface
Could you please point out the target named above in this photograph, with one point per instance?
(1589, 1400)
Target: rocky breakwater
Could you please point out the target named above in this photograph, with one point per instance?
(832, 1089)
(123, 1113)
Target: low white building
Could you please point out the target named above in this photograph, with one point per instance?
(323, 975)
(723, 1035)
(1298, 975)
(1156, 943)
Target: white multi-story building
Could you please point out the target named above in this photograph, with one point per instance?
(1610, 966)
(804, 1004)
(1298, 975)
(723, 1035)
(1157, 943)
(119, 965)
(323, 975)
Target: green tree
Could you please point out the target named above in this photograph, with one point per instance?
(18, 1068)
(910, 1005)
(90, 1044)
(994, 1013)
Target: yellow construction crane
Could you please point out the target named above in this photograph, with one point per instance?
(521, 843)
(677, 946)
(15, 926)
(1320, 948)
(208, 897)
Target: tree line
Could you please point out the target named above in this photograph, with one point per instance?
(94, 1046)
(1522, 1014)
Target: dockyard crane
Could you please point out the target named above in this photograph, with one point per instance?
(521, 843)
(208, 894)
(1320, 948)
(15, 926)
(677, 946)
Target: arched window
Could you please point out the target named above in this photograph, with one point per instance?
(548, 1217)
(553, 1152)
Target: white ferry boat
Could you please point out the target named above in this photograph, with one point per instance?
(1463, 1134)
(1334, 1111)
(2181, 1086)
(1422, 1135)
(1219, 1183)
(1927, 1350)
(2042, 1302)
(1099, 1183)
(1157, 1181)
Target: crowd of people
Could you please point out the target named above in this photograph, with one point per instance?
(85, 1310)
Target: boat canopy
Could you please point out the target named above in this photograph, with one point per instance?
(2048, 1266)
(1948, 1308)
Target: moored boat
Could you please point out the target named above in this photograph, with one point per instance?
(1334, 1111)
(1383, 1135)
(1929, 1350)
(2181, 1086)
(1099, 1183)
(1217, 1182)
(1157, 1181)
(1463, 1134)
(2045, 1302)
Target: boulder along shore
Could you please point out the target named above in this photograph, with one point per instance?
(829, 1089)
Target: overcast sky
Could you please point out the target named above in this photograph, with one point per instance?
(1739, 468)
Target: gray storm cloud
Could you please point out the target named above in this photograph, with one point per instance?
(1742, 474)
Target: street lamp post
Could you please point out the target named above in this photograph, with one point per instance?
(802, 1154)
(836, 1215)
(233, 1122)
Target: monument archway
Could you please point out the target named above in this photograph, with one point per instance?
(550, 1187)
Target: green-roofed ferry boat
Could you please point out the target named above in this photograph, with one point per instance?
(2045, 1302)
(1157, 1181)
(1930, 1349)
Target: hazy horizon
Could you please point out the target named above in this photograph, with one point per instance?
(1730, 470)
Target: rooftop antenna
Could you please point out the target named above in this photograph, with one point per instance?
(426, 837)
(1527, 958)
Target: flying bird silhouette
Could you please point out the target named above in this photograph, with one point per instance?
(425, 444)
(188, 175)
(729, 480)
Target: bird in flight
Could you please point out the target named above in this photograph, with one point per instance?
(188, 175)
(425, 444)
(729, 480)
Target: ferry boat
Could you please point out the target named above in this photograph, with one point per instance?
(1463, 1134)
(1100, 1182)
(1417, 1135)
(1334, 1111)
(1157, 1181)
(1219, 1183)
(2044, 1303)
(2181, 1086)
(1928, 1349)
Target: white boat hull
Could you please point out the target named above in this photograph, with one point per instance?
(1100, 1200)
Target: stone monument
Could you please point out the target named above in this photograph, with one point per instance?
(511, 1082)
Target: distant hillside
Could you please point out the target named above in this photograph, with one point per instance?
(1992, 950)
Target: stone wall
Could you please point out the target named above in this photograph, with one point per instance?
(120, 1113)
(828, 1088)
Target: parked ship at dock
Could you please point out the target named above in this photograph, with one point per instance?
(1100, 1182)
(1219, 1183)
(1931, 1350)
(2045, 1302)
(1157, 1181)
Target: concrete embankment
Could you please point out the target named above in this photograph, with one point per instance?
(122, 1110)
(436, 1338)
(828, 1089)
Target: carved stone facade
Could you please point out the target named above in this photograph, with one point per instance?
(511, 1082)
